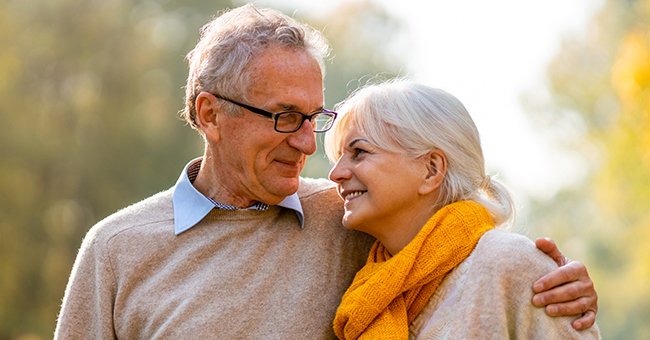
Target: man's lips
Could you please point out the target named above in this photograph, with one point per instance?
(288, 162)
(291, 166)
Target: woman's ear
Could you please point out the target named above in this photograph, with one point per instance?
(436, 163)
(206, 115)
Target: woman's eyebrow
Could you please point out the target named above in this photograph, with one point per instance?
(351, 144)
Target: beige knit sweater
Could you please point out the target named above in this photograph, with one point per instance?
(235, 275)
(488, 296)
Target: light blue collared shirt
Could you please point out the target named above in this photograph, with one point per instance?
(191, 206)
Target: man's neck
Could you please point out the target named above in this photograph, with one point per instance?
(212, 185)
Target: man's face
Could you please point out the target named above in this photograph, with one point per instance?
(255, 162)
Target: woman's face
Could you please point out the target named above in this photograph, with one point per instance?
(379, 188)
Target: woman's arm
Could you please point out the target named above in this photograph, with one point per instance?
(567, 290)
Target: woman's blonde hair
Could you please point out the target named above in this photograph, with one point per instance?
(402, 116)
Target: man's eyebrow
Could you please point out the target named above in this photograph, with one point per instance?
(351, 144)
(291, 107)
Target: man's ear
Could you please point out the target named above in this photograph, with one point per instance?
(206, 115)
(436, 163)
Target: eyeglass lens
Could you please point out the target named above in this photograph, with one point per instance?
(292, 121)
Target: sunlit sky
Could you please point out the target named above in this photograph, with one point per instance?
(488, 54)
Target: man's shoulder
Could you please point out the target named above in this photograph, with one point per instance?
(321, 203)
(154, 209)
(319, 187)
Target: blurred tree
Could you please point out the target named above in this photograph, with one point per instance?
(600, 84)
(89, 92)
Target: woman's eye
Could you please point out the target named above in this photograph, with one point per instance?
(357, 152)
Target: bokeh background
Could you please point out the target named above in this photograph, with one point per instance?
(560, 90)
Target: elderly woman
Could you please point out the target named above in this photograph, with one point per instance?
(410, 169)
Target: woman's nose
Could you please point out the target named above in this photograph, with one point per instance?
(340, 171)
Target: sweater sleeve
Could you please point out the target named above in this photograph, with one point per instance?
(496, 293)
(87, 309)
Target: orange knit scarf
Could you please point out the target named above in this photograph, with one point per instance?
(389, 292)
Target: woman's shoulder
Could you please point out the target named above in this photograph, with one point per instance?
(504, 251)
(493, 288)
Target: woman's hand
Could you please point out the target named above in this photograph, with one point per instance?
(567, 290)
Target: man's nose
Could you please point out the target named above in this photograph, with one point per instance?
(304, 139)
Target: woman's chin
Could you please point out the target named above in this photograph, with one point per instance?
(348, 221)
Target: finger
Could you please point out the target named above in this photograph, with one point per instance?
(549, 247)
(584, 322)
(565, 293)
(574, 307)
(569, 273)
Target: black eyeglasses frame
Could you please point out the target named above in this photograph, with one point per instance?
(277, 115)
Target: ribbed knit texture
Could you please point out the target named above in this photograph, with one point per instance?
(389, 292)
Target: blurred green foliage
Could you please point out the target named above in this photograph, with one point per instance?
(600, 84)
(89, 95)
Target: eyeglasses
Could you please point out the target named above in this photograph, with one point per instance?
(291, 121)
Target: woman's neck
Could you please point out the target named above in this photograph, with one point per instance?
(396, 235)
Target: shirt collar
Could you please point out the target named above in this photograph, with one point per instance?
(191, 206)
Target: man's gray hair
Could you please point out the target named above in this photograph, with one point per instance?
(218, 63)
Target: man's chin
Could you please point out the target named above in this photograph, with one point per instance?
(281, 189)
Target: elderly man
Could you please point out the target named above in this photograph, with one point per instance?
(241, 246)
